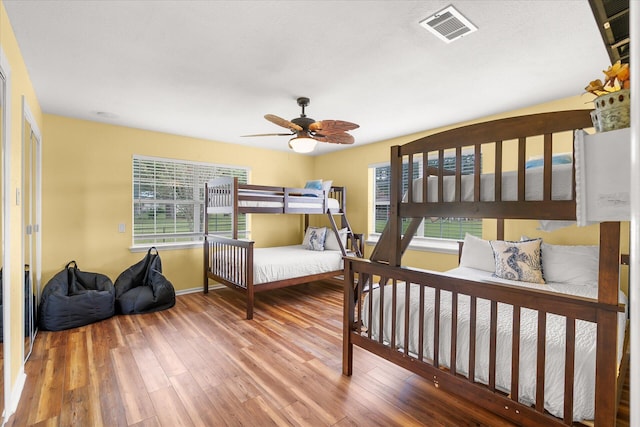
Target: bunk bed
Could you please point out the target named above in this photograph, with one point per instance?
(536, 354)
(237, 264)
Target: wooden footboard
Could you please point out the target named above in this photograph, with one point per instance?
(230, 262)
(432, 328)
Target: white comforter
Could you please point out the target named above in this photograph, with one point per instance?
(584, 384)
(561, 186)
(285, 262)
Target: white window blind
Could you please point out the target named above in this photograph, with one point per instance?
(442, 228)
(168, 200)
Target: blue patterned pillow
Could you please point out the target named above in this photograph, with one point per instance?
(314, 238)
(518, 260)
(315, 184)
(556, 159)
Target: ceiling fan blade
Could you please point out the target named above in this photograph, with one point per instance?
(336, 138)
(270, 134)
(283, 122)
(328, 127)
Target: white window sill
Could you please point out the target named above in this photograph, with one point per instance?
(445, 246)
(166, 246)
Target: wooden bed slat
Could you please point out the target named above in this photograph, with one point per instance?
(454, 332)
(540, 357)
(548, 163)
(407, 295)
(522, 152)
(458, 169)
(492, 345)
(570, 352)
(421, 326)
(515, 354)
(472, 338)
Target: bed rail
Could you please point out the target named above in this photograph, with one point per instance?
(224, 195)
(489, 198)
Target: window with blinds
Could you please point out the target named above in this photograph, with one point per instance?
(442, 228)
(168, 200)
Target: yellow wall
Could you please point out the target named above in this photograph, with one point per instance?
(20, 85)
(87, 192)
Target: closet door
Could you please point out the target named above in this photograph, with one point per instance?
(31, 219)
(3, 115)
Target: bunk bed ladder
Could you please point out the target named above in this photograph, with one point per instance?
(356, 240)
(382, 250)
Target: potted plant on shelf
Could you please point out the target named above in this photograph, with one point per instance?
(612, 102)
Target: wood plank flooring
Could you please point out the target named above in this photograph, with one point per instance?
(201, 364)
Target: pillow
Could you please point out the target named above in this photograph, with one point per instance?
(331, 243)
(552, 225)
(326, 185)
(315, 184)
(477, 253)
(314, 238)
(518, 260)
(576, 265)
(556, 159)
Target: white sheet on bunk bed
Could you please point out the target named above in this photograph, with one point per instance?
(331, 204)
(584, 381)
(561, 188)
(286, 262)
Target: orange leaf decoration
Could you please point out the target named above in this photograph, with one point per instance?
(595, 87)
(617, 77)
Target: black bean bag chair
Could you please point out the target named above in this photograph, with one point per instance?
(142, 288)
(75, 298)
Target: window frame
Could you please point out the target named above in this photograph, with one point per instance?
(198, 174)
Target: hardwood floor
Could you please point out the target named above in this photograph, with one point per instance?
(201, 364)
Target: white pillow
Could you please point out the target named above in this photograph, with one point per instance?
(576, 265)
(314, 238)
(331, 243)
(477, 253)
(552, 225)
(326, 185)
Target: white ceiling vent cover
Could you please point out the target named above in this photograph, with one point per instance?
(448, 24)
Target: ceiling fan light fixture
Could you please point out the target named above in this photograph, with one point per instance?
(302, 144)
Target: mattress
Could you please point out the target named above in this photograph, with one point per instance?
(331, 204)
(225, 204)
(561, 186)
(286, 262)
(585, 354)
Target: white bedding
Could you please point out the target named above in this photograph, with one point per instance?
(561, 188)
(584, 385)
(331, 204)
(277, 202)
(285, 262)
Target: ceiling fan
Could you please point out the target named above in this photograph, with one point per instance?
(308, 132)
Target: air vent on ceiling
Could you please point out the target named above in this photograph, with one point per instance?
(448, 24)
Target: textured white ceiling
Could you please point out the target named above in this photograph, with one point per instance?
(212, 69)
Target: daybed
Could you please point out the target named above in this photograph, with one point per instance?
(236, 263)
(537, 354)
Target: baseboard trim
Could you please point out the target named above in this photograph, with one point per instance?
(200, 289)
(15, 395)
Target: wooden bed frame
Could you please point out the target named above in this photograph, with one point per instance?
(229, 260)
(385, 266)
